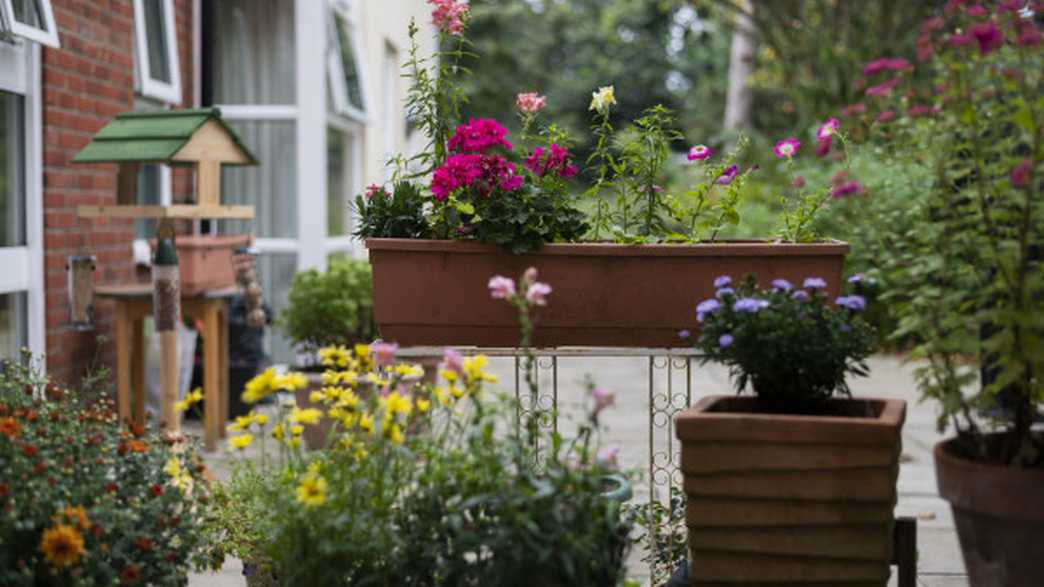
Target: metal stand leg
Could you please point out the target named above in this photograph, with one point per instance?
(904, 551)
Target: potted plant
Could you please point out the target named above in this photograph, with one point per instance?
(967, 283)
(474, 203)
(88, 501)
(205, 260)
(792, 484)
(333, 308)
(426, 484)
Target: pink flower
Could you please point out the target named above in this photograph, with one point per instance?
(823, 147)
(988, 36)
(728, 175)
(478, 136)
(854, 109)
(449, 16)
(1029, 35)
(883, 89)
(885, 63)
(959, 40)
(501, 288)
(918, 110)
(555, 162)
(925, 49)
(848, 188)
(787, 148)
(383, 353)
(885, 116)
(537, 293)
(459, 171)
(1020, 174)
(530, 102)
(452, 360)
(799, 182)
(603, 399)
(976, 10)
(700, 152)
(932, 24)
(827, 129)
(609, 458)
(530, 275)
(375, 190)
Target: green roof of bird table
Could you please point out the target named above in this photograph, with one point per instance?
(160, 137)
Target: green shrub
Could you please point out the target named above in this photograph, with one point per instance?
(334, 307)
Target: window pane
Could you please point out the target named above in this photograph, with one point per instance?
(29, 12)
(338, 170)
(156, 33)
(14, 325)
(353, 88)
(275, 273)
(270, 186)
(12, 171)
(253, 52)
(149, 189)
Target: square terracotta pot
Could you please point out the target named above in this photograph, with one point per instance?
(205, 261)
(790, 499)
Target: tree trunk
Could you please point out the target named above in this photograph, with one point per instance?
(741, 65)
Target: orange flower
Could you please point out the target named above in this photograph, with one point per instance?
(138, 446)
(75, 515)
(9, 427)
(62, 545)
(30, 450)
(144, 543)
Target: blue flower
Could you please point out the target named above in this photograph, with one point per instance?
(725, 291)
(782, 285)
(854, 303)
(860, 278)
(725, 340)
(800, 295)
(723, 281)
(707, 307)
(751, 305)
(814, 283)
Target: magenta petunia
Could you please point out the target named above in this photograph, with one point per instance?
(828, 129)
(478, 136)
(700, 152)
(787, 148)
(823, 146)
(727, 175)
(988, 36)
(553, 160)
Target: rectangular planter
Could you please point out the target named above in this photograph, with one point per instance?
(790, 499)
(205, 261)
(434, 292)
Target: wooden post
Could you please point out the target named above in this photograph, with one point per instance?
(208, 183)
(170, 420)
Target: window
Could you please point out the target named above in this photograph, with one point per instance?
(157, 50)
(31, 19)
(391, 107)
(340, 174)
(13, 325)
(345, 63)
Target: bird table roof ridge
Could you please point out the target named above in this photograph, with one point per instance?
(157, 137)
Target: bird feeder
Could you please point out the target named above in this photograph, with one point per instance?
(193, 138)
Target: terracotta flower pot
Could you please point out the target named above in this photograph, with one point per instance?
(205, 261)
(434, 292)
(999, 514)
(790, 499)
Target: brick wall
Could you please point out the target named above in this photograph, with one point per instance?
(85, 84)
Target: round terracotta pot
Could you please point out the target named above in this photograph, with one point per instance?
(999, 514)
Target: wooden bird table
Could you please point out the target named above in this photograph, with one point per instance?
(133, 304)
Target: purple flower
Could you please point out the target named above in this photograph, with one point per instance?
(722, 281)
(728, 175)
(684, 334)
(725, 291)
(537, 293)
(501, 288)
(828, 129)
(1020, 174)
(854, 303)
(725, 341)
(860, 278)
(700, 152)
(988, 36)
(782, 285)
(800, 295)
(845, 189)
(609, 458)
(814, 283)
(751, 305)
(452, 360)
(707, 307)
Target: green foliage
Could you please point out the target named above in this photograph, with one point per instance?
(525, 220)
(794, 347)
(334, 307)
(664, 536)
(140, 518)
(399, 214)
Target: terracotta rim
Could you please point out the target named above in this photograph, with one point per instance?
(986, 488)
(716, 249)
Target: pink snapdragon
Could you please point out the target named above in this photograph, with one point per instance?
(449, 16)
(530, 102)
(501, 288)
(787, 148)
(700, 152)
(1029, 35)
(537, 293)
(373, 190)
(823, 146)
(478, 136)
(554, 160)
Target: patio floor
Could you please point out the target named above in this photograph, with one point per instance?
(939, 557)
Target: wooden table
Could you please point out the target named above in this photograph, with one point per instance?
(133, 305)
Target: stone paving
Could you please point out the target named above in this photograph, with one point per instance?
(939, 558)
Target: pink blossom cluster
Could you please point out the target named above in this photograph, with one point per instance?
(536, 292)
(554, 160)
(885, 64)
(530, 102)
(449, 16)
(478, 136)
(483, 172)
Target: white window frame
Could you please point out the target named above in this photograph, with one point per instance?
(335, 64)
(23, 266)
(142, 250)
(47, 37)
(147, 85)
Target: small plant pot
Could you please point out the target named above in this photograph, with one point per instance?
(434, 292)
(205, 261)
(999, 516)
(790, 499)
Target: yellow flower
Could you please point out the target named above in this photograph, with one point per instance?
(173, 467)
(259, 419)
(309, 416)
(181, 405)
(349, 400)
(62, 545)
(397, 404)
(296, 430)
(316, 397)
(393, 432)
(260, 386)
(241, 423)
(603, 99)
(360, 453)
(473, 369)
(334, 356)
(278, 432)
(240, 442)
(456, 391)
(315, 467)
(448, 375)
(291, 381)
(195, 396)
(376, 380)
(362, 351)
(366, 422)
(312, 490)
(442, 395)
(409, 371)
(423, 405)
